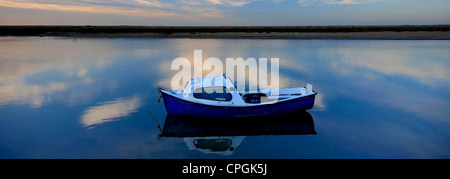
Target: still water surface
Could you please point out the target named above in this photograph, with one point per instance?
(89, 98)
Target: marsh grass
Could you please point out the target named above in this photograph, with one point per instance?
(67, 30)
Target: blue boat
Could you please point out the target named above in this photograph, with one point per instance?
(217, 97)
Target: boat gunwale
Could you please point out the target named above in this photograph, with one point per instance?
(250, 106)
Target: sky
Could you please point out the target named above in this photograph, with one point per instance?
(224, 12)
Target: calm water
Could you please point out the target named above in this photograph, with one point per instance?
(89, 98)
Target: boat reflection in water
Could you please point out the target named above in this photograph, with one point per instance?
(223, 137)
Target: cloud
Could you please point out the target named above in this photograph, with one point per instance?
(233, 3)
(99, 7)
(179, 9)
(238, 3)
(82, 73)
(219, 2)
(306, 2)
(351, 1)
(153, 3)
(335, 2)
(203, 12)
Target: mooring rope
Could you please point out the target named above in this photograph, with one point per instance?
(159, 100)
(150, 113)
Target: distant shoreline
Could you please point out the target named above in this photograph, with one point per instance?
(432, 32)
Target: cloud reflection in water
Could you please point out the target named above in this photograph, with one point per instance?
(110, 110)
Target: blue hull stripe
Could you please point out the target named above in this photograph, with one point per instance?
(181, 107)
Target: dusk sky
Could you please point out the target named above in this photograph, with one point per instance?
(224, 12)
